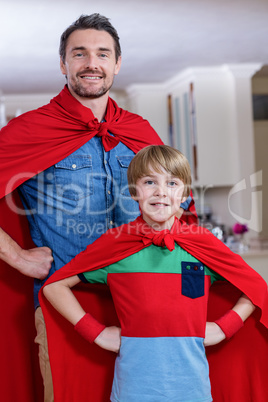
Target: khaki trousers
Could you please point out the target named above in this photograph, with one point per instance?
(41, 340)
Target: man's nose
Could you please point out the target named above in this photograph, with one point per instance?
(91, 62)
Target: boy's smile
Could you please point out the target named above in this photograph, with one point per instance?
(159, 196)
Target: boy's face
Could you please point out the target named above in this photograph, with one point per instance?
(159, 196)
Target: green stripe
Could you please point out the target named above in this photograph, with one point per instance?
(152, 259)
(98, 276)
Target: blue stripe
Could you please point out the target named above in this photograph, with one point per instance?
(161, 369)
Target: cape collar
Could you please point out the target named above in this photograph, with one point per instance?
(162, 238)
(85, 116)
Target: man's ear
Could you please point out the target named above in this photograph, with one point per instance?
(62, 67)
(118, 65)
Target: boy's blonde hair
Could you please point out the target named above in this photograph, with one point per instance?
(159, 157)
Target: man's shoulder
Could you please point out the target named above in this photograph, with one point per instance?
(122, 230)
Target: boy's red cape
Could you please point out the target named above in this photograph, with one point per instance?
(29, 144)
(238, 368)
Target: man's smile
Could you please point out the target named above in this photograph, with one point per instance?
(90, 77)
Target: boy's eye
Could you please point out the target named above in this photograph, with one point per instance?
(149, 182)
(172, 183)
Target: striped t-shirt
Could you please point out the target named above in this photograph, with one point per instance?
(161, 302)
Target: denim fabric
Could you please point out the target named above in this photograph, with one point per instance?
(73, 202)
(186, 203)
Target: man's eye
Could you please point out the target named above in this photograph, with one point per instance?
(103, 55)
(78, 54)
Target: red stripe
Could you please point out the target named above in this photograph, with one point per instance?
(151, 305)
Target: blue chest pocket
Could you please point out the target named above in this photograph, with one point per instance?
(73, 177)
(124, 162)
(192, 279)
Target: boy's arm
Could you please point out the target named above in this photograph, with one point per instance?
(226, 326)
(60, 295)
(189, 214)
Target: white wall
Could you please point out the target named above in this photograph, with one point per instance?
(17, 104)
(224, 121)
(150, 101)
(224, 130)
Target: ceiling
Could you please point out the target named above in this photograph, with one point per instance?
(159, 38)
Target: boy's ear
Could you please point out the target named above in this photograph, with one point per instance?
(133, 189)
(134, 197)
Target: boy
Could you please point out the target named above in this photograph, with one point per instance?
(159, 272)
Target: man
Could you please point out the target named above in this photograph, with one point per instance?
(75, 153)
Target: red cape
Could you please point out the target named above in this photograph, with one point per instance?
(35, 141)
(54, 131)
(88, 369)
(19, 370)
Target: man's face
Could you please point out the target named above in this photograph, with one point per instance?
(90, 64)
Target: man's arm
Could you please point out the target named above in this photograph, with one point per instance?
(232, 321)
(189, 214)
(60, 295)
(35, 262)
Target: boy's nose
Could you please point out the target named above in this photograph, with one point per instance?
(161, 191)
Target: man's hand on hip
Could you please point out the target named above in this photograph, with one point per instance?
(35, 262)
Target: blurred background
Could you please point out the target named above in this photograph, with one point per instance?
(197, 70)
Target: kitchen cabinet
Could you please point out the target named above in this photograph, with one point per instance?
(211, 124)
(258, 260)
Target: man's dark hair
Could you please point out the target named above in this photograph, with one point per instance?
(93, 21)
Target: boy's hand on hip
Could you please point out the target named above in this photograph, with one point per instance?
(109, 339)
(214, 334)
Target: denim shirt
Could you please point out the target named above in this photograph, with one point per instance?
(72, 203)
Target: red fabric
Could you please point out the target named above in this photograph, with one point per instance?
(19, 374)
(35, 141)
(127, 240)
(89, 328)
(238, 366)
(54, 131)
(230, 323)
(160, 290)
